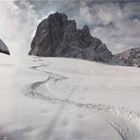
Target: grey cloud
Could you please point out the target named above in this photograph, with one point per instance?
(125, 32)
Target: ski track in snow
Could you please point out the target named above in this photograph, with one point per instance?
(126, 133)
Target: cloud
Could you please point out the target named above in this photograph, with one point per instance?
(115, 22)
(117, 26)
(17, 25)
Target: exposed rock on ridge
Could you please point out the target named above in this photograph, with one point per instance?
(129, 57)
(57, 36)
(3, 48)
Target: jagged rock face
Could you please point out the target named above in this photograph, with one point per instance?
(130, 57)
(57, 36)
(3, 48)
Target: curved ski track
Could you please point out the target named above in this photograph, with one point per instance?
(100, 109)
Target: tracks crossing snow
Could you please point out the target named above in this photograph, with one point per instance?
(125, 133)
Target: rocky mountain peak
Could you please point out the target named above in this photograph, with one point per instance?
(57, 17)
(86, 29)
(57, 36)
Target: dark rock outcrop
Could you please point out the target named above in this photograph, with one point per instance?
(57, 36)
(129, 57)
(3, 48)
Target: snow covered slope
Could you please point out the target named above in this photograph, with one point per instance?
(68, 99)
(3, 48)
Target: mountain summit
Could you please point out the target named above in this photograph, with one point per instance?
(57, 36)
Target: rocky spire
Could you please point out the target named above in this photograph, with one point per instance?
(57, 36)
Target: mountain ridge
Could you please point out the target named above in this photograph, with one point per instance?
(57, 36)
(130, 57)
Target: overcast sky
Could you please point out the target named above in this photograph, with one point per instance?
(115, 22)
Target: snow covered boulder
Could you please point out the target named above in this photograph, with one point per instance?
(3, 48)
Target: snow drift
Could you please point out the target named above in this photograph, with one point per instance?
(67, 99)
